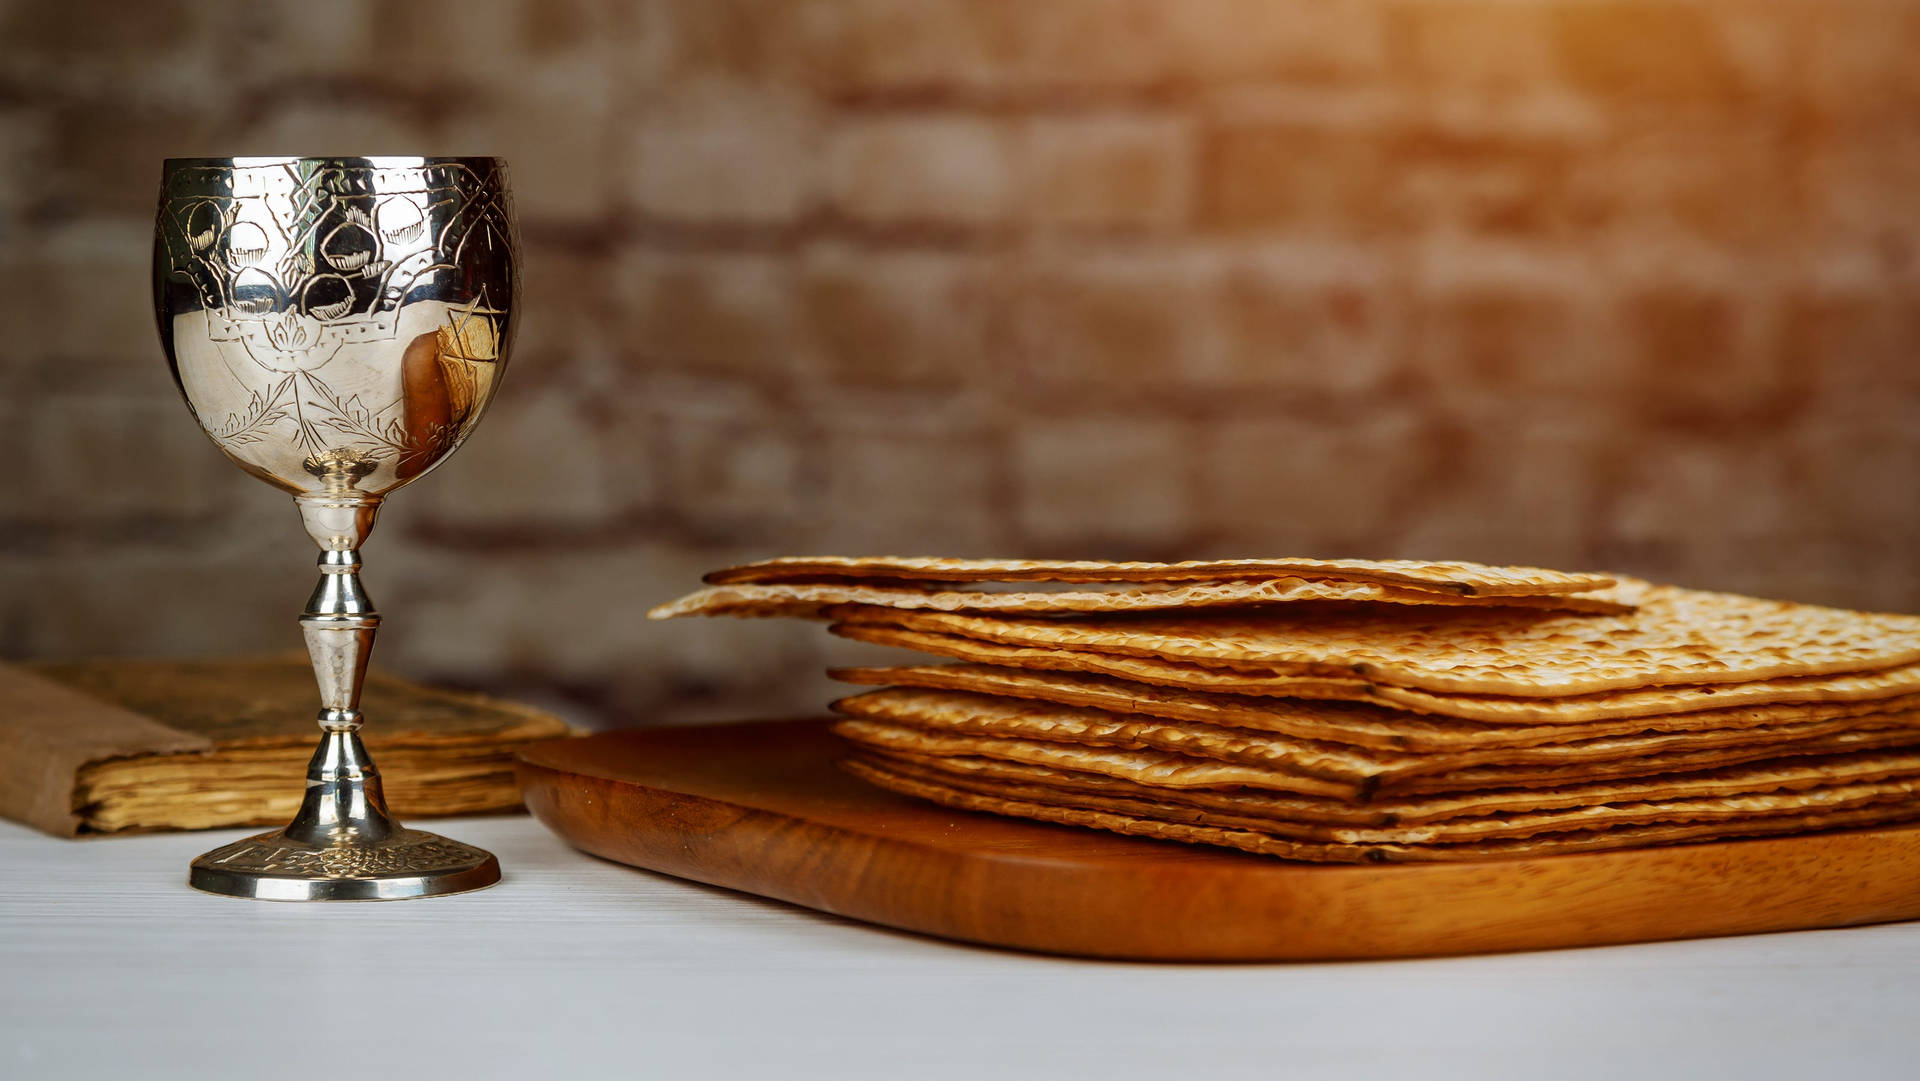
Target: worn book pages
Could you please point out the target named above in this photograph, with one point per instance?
(105, 746)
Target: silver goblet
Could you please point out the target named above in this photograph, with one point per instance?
(337, 326)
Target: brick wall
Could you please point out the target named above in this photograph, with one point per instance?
(1589, 284)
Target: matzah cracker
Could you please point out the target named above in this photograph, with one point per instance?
(1377, 727)
(1541, 774)
(1266, 844)
(1467, 579)
(986, 715)
(1493, 709)
(1786, 775)
(1158, 768)
(1173, 769)
(809, 600)
(1675, 636)
(982, 715)
(1825, 798)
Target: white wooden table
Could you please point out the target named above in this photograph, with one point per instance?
(111, 967)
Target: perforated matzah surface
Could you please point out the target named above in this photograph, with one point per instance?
(1459, 577)
(809, 600)
(1363, 725)
(985, 715)
(1792, 775)
(1267, 844)
(1831, 795)
(1493, 709)
(1674, 636)
(1173, 769)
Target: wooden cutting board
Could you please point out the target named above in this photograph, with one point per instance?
(761, 807)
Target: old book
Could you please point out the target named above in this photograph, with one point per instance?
(110, 746)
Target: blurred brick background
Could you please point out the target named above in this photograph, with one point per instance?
(1587, 284)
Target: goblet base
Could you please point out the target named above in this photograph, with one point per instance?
(410, 863)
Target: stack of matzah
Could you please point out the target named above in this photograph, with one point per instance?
(1358, 710)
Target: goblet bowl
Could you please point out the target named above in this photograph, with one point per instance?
(336, 322)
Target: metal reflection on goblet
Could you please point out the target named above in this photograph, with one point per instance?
(337, 326)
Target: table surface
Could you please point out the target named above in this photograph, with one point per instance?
(574, 967)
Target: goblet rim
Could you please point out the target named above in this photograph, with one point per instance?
(381, 161)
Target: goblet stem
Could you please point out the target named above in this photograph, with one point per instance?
(344, 801)
(343, 844)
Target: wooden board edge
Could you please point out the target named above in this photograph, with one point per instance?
(1693, 891)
